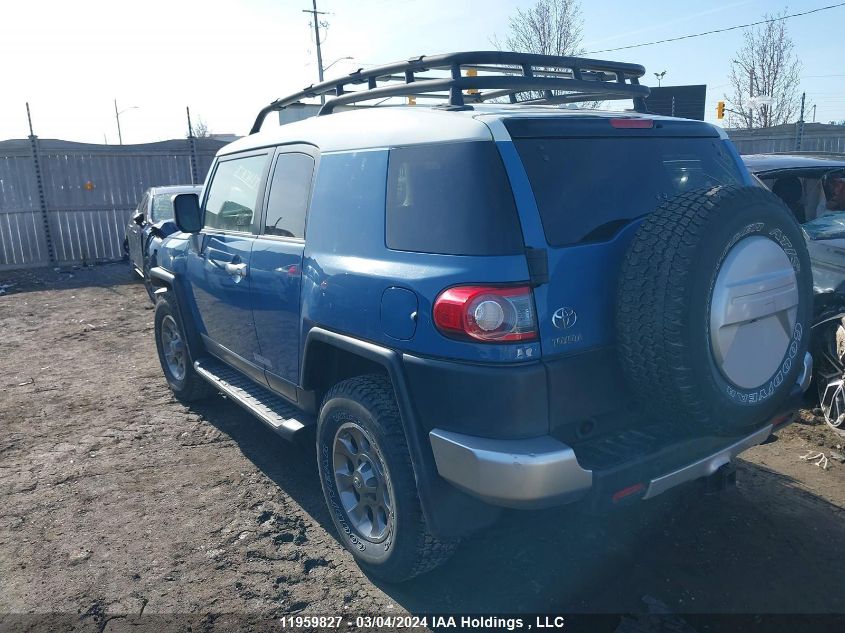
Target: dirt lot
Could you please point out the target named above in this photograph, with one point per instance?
(117, 500)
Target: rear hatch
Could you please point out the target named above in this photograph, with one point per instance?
(593, 180)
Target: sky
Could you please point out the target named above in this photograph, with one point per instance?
(226, 60)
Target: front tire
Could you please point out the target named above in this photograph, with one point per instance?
(174, 356)
(368, 481)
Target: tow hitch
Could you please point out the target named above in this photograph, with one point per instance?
(723, 478)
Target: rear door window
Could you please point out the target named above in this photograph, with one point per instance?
(588, 188)
(451, 199)
(233, 193)
(289, 192)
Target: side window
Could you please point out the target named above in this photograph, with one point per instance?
(162, 207)
(451, 199)
(233, 193)
(288, 200)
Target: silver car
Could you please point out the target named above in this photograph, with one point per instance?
(151, 221)
(797, 180)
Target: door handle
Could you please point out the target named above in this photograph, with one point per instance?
(236, 270)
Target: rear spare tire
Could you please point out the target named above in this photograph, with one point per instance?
(714, 309)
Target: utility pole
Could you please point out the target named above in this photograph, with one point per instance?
(814, 113)
(799, 128)
(314, 13)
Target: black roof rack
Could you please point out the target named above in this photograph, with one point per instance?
(497, 74)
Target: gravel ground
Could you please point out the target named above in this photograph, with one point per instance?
(117, 500)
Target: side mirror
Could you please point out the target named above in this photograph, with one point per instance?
(186, 212)
(138, 218)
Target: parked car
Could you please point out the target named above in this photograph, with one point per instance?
(478, 306)
(797, 180)
(151, 222)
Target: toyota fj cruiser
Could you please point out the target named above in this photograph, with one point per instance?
(482, 305)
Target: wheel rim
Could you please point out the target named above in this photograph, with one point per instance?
(173, 347)
(363, 483)
(830, 376)
(753, 310)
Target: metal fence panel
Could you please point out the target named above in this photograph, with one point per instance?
(22, 242)
(90, 192)
(817, 137)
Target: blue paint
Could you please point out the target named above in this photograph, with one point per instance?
(275, 282)
(344, 278)
(223, 302)
(399, 313)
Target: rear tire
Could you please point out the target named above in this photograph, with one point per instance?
(175, 357)
(368, 481)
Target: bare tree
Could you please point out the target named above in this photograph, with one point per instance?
(765, 66)
(550, 27)
(201, 129)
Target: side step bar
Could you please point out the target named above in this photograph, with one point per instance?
(273, 410)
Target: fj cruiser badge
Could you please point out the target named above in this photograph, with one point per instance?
(564, 318)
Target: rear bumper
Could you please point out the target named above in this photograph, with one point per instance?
(706, 466)
(533, 472)
(543, 471)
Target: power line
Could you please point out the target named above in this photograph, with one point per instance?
(730, 28)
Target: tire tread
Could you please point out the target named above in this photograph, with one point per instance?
(375, 392)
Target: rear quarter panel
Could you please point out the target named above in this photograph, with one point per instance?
(347, 267)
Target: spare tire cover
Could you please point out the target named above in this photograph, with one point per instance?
(714, 309)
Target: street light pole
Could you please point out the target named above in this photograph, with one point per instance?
(117, 118)
(660, 77)
(339, 59)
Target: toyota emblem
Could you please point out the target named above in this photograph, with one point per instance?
(564, 318)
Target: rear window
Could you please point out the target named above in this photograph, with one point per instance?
(588, 188)
(451, 199)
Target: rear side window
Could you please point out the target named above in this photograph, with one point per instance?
(233, 193)
(289, 191)
(451, 199)
(588, 188)
(162, 207)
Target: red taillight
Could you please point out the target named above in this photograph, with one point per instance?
(487, 313)
(632, 124)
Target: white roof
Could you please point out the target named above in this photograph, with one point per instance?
(391, 126)
(369, 128)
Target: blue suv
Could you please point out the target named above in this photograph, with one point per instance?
(480, 305)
